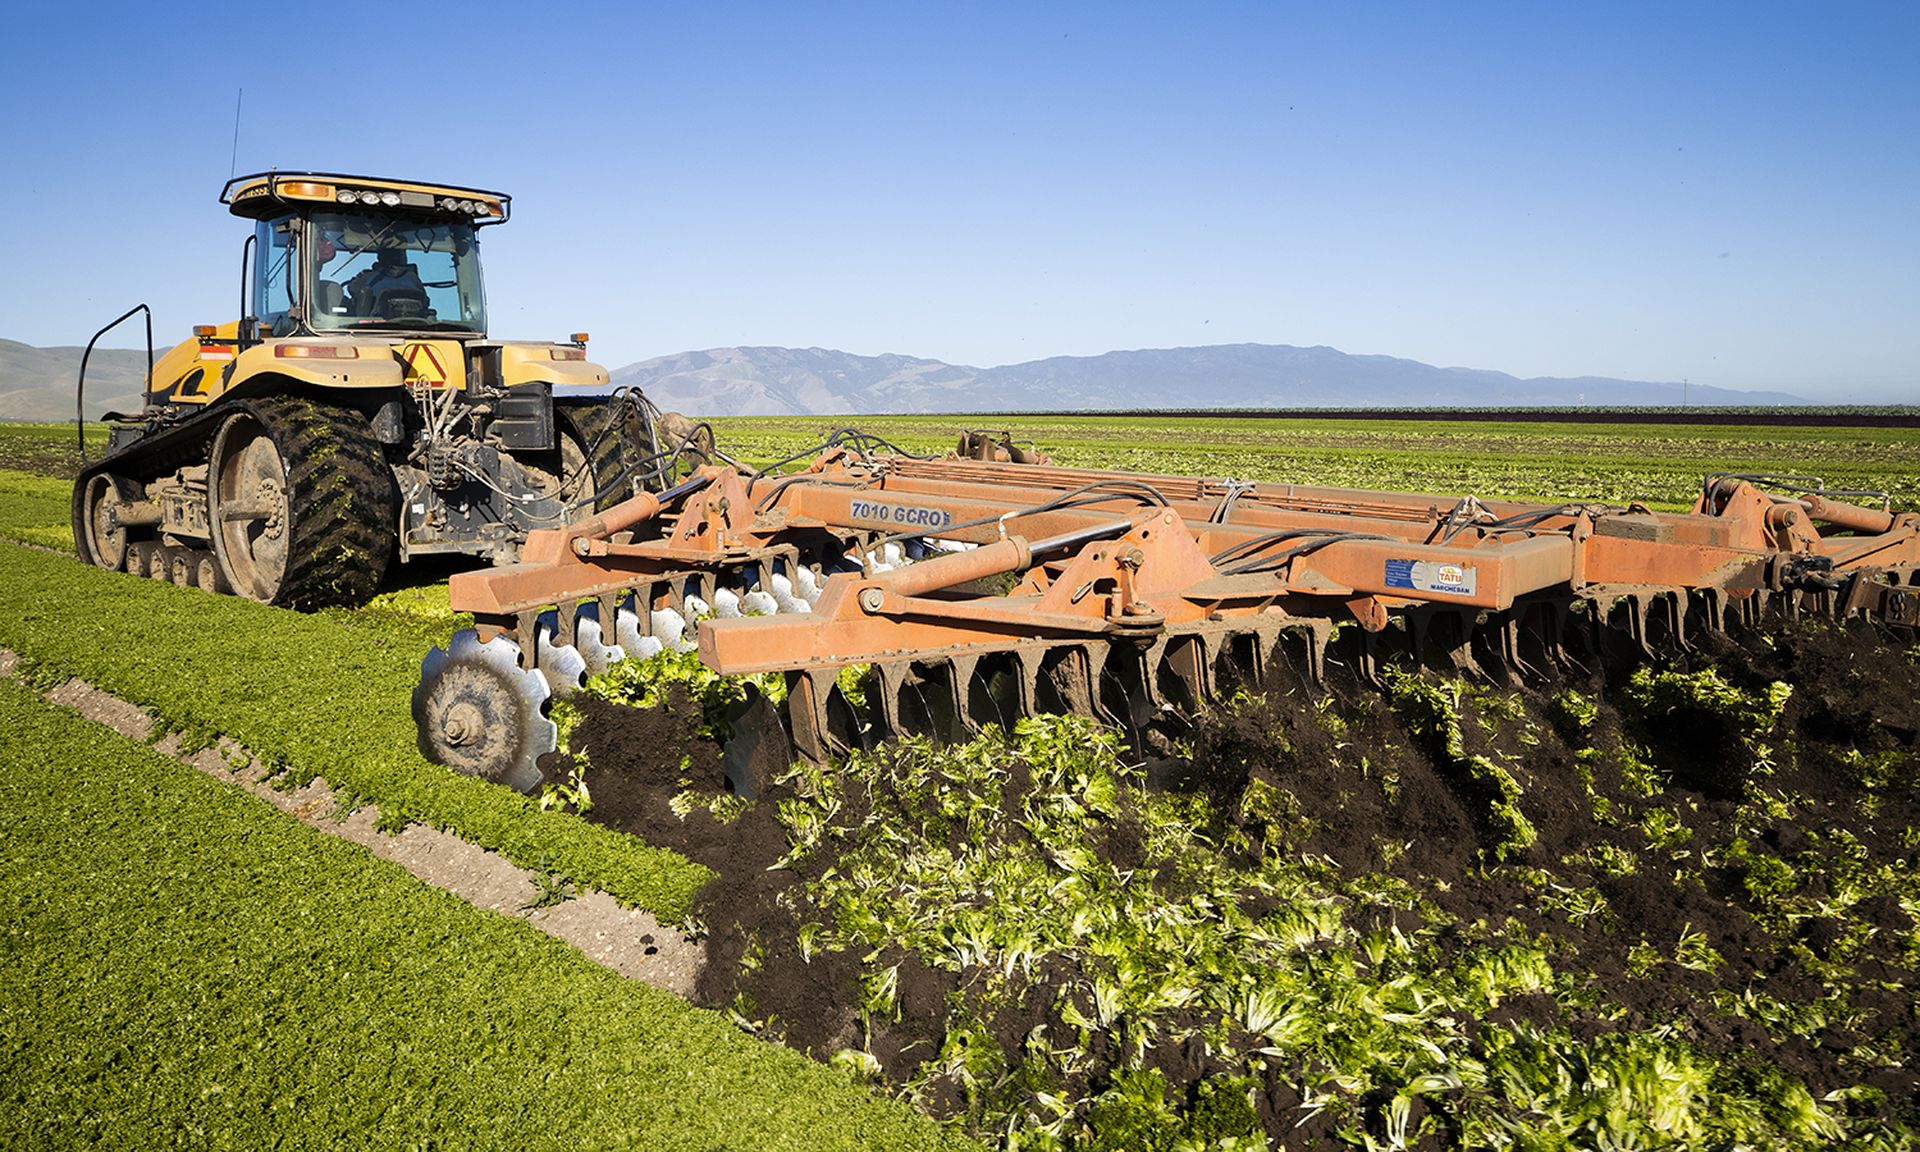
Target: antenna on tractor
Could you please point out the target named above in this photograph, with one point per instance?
(233, 162)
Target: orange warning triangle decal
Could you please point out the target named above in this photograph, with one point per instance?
(424, 366)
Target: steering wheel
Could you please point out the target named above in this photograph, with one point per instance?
(401, 304)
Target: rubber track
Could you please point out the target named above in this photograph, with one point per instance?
(341, 501)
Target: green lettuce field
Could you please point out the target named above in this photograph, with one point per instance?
(1669, 906)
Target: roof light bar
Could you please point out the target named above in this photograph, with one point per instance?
(305, 190)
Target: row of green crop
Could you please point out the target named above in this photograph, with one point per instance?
(34, 510)
(327, 695)
(184, 967)
(318, 694)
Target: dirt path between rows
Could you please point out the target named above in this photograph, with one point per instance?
(629, 941)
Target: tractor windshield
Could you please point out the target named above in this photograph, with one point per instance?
(372, 270)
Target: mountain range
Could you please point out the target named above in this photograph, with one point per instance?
(37, 383)
(820, 381)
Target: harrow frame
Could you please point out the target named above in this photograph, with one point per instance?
(1126, 594)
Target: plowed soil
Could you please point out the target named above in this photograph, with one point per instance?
(1855, 704)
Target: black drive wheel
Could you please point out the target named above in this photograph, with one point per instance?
(573, 466)
(102, 535)
(301, 503)
(598, 431)
(573, 483)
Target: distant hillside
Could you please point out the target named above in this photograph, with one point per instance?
(779, 381)
(37, 383)
(768, 381)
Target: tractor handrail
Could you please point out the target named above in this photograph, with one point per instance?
(80, 388)
(240, 332)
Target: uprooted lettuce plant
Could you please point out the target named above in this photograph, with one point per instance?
(1720, 726)
(1433, 709)
(650, 683)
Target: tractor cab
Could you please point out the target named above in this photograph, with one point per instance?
(362, 256)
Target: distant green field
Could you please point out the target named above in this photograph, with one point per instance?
(1662, 464)
(47, 449)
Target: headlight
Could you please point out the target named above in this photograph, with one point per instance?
(390, 199)
(369, 197)
(449, 203)
(466, 206)
(345, 196)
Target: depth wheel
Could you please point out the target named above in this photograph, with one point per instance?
(478, 712)
(301, 504)
(102, 534)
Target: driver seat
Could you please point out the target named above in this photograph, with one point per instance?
(329, 298)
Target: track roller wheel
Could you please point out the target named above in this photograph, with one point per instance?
(302, 503)
(140, 556)
(206, 573)
(183, 566)
(160, 563)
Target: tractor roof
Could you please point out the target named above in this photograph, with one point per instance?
(270, 193)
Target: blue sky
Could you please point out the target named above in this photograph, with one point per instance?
(1725, 193)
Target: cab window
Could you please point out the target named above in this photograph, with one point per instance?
(372, 270)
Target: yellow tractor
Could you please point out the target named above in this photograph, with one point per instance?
(356, 412)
